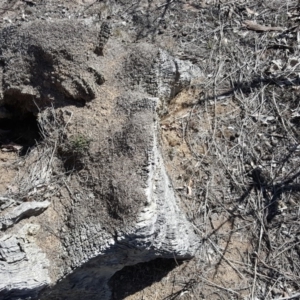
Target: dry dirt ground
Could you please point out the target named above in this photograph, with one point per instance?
(231, 144)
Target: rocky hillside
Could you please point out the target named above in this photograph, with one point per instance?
(149, 149)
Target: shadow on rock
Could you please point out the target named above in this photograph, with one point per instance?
(135, 278)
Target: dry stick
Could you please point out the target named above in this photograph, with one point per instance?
(223, 257)
(165, 4)
(256, 258)
(228, 171)
(215, 102)
(290, 297)
(210, 59)
(218, 286)
(251, 25)
(205, 205)
(243, 264)
(7, 9)
(69, 190)
(262, 219)
(286, 249)
(68, 122)
(287, 275)
(34, 170)
(133, 4)
(270, 290)
(281, 118)
(260, 275)
(52, 155)
(257, 55)
(175, 260)
(284, 126)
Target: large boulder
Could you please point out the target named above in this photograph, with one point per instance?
(94, 196)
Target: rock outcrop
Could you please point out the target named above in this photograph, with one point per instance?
(157, 73)
(102, 198)
(24, 266)
(25, 209)
(103, 37)
(48, 62)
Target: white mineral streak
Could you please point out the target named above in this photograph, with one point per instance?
(160, 221)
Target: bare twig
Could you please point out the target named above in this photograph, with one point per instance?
(251, 25)
(255, 266)
(219, 287)
(290, 297)
(223, 257)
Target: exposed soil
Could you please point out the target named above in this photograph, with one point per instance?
(8, 173)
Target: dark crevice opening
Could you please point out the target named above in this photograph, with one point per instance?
(132, 279)
(19, 131)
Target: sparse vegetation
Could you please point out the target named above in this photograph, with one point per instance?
(73, 151)
(77, 144)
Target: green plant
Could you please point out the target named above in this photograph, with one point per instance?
(78, 144)
(73, 152)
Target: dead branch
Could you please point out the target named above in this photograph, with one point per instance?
(251, 25)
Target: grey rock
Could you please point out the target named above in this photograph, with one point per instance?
(159, 74)
(158, 229)
(174, 75)
(134, 214)
(103, 37)
(51, 60)
(6, 202)
(24, 210)
(23, 266)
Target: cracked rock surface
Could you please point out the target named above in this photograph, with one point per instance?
(98, 196)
